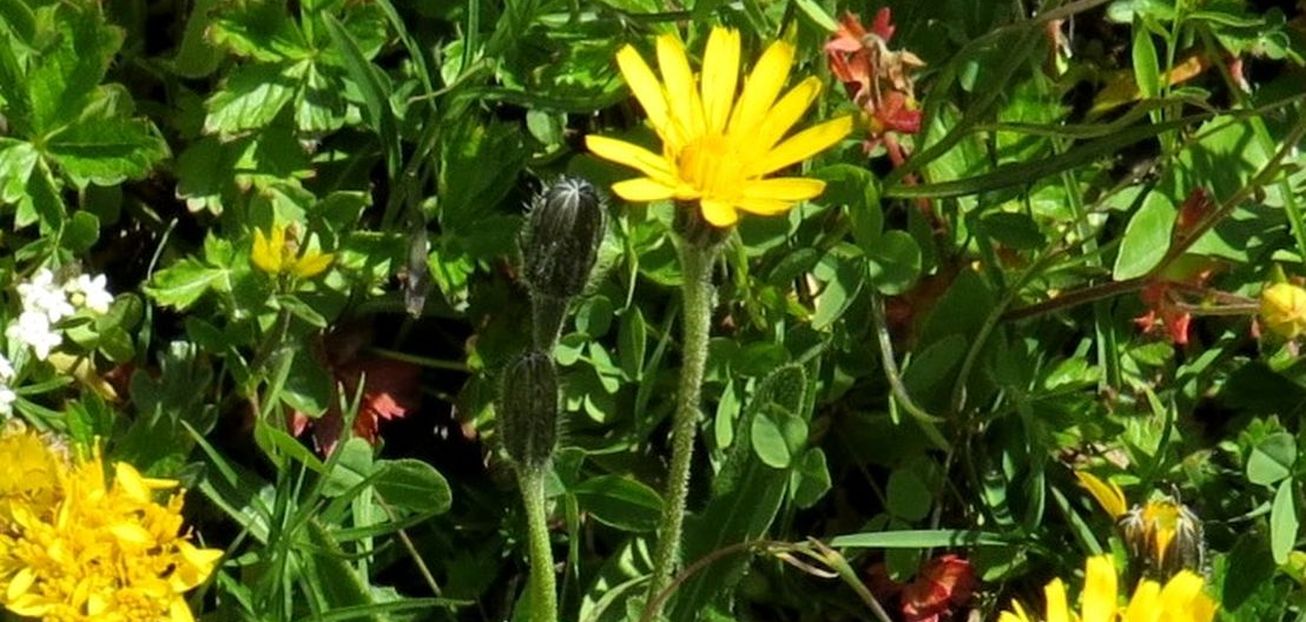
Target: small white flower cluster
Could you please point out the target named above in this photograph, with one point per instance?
(7, 395)
(45, 302)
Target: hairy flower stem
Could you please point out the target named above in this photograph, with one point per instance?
(544, 589)
(696, 259)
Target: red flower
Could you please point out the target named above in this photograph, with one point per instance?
(877, 79)
(391, 390)
(1164, 310)
(943, 585)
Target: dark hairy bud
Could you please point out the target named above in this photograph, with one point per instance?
(528, 409)
(562, 238)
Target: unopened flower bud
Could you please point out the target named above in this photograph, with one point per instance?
(1283, 309)
(528, 409)
(562, 238)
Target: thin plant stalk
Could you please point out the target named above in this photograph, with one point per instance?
(696, 262)
(543, 588)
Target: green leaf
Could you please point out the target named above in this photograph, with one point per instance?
(81, 232)
(197, 56)
(375, 91)
(839, 292)
(107, 151)
(631, 339)
(252, 96)
(414, 486)
(1147, 73)
(41, 202)
(1147, 237)
(894, 262)
(620, 502)
(768, 439)
(810, 479)
(308, 388)
(1283, 522)
(351, 465)
(1014, 230)
(919, 539)
(908, 497)
(64, 75)
(818, 15)
(183, 283)
(17, 159)
(1272, 459)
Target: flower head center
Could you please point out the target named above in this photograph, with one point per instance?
(710, 163)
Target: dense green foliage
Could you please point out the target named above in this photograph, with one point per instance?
(310, 214)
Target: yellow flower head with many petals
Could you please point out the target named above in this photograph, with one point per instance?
(93, 548)
(717, 149)
(1180, 599)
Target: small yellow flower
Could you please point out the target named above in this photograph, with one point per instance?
(1283, 309)
(275, 254)
(1180, 600)
(94, 548)
(717, 149)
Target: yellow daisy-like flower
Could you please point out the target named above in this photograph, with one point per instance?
(717, 149)
(275, 254)
(1180, 600)
(98, 549)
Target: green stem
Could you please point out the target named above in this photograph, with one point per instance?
(544, 589)
(696, 267)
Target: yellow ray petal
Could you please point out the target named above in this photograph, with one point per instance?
(1056, 597)
(682, 94)
(783, 188)
(642, 189)
(1181, 591)
(1099, 595)
(1145, 606)
(719, 213)
(783, 116)
(645, 87)
(801, 146)
(764, 83)
(720, 77)
(1017, 614)
(764, 207)
(631, 155)
(1108, 494)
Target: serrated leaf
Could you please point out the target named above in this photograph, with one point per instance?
(252, 96)
(17, 159)
(183, 283)
(65, 74)
(107, 151)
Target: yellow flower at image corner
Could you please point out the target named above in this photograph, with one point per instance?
(275, 254)
(1180, 599)
(1283, 309)
(105, 551)
(30, 476)
(717, 149)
